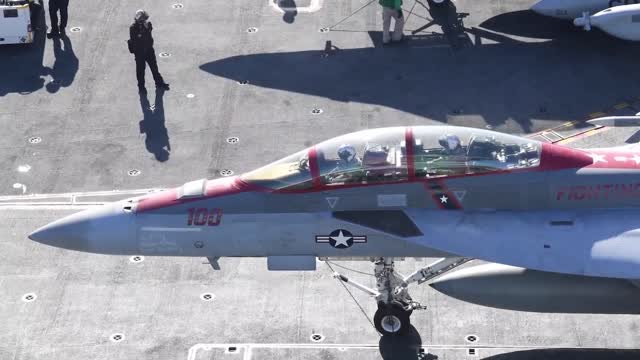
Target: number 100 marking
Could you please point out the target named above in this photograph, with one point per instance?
(204, 217)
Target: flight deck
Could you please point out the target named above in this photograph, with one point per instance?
(252, 83)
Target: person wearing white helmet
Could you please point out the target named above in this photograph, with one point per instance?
(141, 45)
(348, 164)
(453, 161)
(347, 155)
(451, 144)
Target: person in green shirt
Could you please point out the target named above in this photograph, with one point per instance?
(391, 9)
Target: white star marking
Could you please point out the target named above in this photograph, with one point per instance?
(341, 239)
(598, 158)
(444, 199)
(636, 158)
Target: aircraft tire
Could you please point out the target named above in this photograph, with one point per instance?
(391, 320)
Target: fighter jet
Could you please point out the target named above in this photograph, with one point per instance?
(447, 192)
(618, 18)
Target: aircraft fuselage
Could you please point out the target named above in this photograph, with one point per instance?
(572, 211)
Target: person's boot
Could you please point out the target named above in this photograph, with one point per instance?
(163, 86)
(63, 33)
(52, 34)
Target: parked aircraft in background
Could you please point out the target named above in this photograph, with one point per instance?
(618, 18)
(621, 21)
(383, 194)
(571, 9)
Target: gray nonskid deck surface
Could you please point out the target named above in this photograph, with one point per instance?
(515, 73)
(89, 123)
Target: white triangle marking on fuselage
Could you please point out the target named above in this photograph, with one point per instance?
(460, 194)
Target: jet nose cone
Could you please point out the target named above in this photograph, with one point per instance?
(107, 229)
(67, 233)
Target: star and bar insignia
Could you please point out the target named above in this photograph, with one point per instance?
(341, 239)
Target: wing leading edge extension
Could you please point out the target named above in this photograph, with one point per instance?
(603, 243)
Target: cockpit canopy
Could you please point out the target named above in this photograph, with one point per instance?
(381, 156)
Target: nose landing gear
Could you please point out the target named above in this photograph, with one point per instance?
(395, 306)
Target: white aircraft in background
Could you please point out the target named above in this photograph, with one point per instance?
(618, 18)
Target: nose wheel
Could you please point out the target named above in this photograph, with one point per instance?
(391, 319)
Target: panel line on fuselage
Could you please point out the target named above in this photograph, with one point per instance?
(169, 229)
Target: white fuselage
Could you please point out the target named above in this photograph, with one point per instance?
(569, 9)
(621, 21)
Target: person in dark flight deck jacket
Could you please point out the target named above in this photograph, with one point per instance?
(141, 45)
(56, 6)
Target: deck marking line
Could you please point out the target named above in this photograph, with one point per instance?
(193, 351)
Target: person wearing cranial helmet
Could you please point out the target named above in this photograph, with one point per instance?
(141, 45)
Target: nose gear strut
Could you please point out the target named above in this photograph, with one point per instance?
(395, 306)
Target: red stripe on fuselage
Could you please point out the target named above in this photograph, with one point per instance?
(450, 195)
(214, 188)
(557, 157)
(436, 188)
(313, 167)
(157, 200)
(431, 195)
(409, 146)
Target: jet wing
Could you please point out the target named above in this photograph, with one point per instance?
(619, 122)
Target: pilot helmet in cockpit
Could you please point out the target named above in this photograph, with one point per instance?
(347, 153)
(451, 143)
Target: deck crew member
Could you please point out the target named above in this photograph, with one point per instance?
(58, 29)
(141, 45)
(392, 9)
